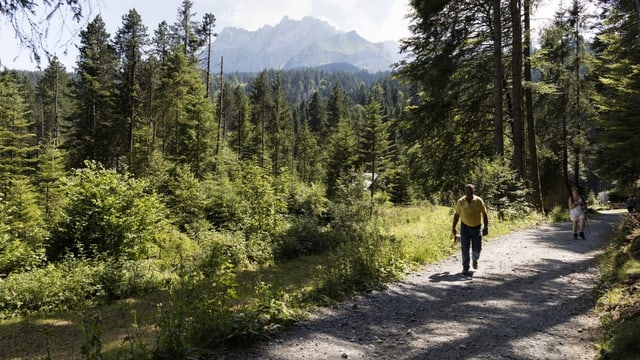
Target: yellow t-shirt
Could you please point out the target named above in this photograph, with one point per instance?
(471, 213)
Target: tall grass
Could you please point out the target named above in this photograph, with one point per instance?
(619, 302)
(244, 301)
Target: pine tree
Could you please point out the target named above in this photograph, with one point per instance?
(54, 96)
(18, 148)
(130, 42)
(261, 98)
(206, 33)
(342, 155)
(615, 138)
(240, 116)
(190, 124)
(96, 136)
(374, 146)
(185, 31)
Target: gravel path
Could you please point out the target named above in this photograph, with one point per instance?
(531, 298)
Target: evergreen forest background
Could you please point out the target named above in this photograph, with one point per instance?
(144, 169)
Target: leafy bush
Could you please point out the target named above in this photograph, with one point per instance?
(73, 283)
(106, 214)
(54, 287)
(223, 203)
(500, 188)
(307, 201)
(559, 214)
(17, 256)
(263, 212)
(185, 197)
(199, 313)
(397, 185)
(304, 237)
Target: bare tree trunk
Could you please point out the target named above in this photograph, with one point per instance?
(576, 164)
(518, 126)
(220, 110)
(497, 79)
(534, 175)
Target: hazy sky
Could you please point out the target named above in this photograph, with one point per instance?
(375, 20)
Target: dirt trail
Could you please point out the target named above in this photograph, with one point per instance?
(531, 298)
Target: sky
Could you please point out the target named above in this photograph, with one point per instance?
(374, 20)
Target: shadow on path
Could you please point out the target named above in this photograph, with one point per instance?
(531, 298)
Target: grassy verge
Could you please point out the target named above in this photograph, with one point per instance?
(619, 303)
(129, 328)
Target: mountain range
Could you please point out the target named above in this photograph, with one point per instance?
(305, 43)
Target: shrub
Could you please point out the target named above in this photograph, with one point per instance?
(17, 256)
(222, 204)
(54, 287)
(500, 188)
(106, 214)
(73, 283)
(303, 237)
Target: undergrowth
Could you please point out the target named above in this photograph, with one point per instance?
(618, 305)
(205, 302)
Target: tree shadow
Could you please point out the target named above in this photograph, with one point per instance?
(449, 317)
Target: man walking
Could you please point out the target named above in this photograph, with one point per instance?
(472, 212)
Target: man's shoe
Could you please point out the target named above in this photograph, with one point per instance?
(575, 236)
(466, 273)
(475, 264)
(582, 236)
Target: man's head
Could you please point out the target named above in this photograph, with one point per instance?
(469, 189)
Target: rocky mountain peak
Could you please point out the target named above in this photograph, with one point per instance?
(309, 42)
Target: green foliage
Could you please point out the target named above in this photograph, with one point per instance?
(397, 184)
(498, 185)
(91, 349)
(185, 197)
(73, 284)
(617, 305)
(263, 212)
(18, 150)
(17, 256)
(304, 237)
(198, 314)
(349, 209)
(22, 228)
(559, 214)
(618, 85)
(107, 214)
(363, 261)
(54, 287)
(223, 202)
(268, 313)
(342, 153)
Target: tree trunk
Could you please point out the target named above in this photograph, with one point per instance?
(534, 175)
(518, 127)
(497, 79)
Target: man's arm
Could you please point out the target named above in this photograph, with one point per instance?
(455, 223)
(485, 228)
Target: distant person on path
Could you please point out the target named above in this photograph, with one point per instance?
(631, 204)
(472, 213)
(577, 207)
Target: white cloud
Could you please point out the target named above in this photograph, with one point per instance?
(254, 14)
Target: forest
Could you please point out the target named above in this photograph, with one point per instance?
(145, 169)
